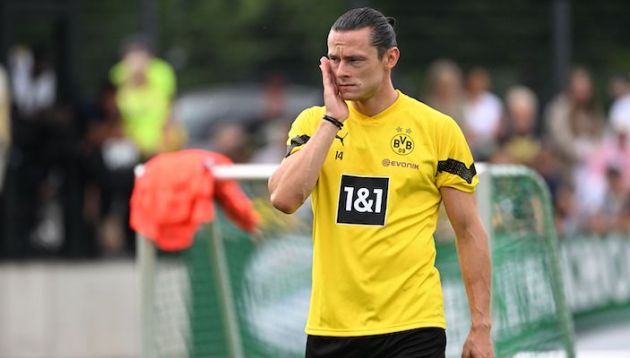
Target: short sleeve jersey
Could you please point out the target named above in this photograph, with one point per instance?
(375, 210)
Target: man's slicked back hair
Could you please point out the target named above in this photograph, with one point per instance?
(381, 27)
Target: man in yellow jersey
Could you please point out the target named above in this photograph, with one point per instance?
(377, 164)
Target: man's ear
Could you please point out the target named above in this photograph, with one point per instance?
(390, 58)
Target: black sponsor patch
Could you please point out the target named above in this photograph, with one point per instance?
(362, 200)
(296, 141)
(458, 168)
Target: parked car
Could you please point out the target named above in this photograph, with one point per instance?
(201, 111)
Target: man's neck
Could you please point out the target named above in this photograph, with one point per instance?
(377, 103)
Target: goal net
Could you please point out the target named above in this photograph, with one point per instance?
(231, 295)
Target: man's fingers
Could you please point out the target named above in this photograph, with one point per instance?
(332, 99)
(467, 351)
(323, 67)
(327, 79)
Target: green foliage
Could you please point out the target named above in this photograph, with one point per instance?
(510, 37)
(226, 40)
(212, 41)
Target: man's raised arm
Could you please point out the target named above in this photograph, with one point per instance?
(297, 175)
(294, 180)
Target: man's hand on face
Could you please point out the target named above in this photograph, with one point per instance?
(336, 107)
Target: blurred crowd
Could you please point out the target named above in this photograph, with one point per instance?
(66, 171)
(575, 143)
(69, 168)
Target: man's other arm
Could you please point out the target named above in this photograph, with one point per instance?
(474, 259)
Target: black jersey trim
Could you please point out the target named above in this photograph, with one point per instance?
(458, 168)
(296, 141)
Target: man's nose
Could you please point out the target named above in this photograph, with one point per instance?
(342, 69)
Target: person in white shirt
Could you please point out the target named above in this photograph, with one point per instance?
(482, 114)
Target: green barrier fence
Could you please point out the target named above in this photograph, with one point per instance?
(231, 296)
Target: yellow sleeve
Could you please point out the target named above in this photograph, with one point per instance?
(455, 166)
(302, 129)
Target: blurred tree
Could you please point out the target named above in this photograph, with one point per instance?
(103, 27)
(600, 39)
(226, 40)
(511, 37)
(243, 40)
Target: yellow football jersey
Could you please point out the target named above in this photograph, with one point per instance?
(376, 206)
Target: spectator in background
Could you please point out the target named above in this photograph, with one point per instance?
(566, 216)
(482, 114)
(106, 186)
(574, 121)
(608, 217)
(613, 150)
(445, 92)
(607, 179)
(42, 145)
(518, 140)
(5, 124)
(34, 82)
(274, 98)
(101, 118)
(625, 217)
(145, 90)
(5, 140)
(619, 114)
(618, 87)
(231, 140)
(574, 124)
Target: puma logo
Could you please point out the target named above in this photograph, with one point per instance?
(341, 139)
